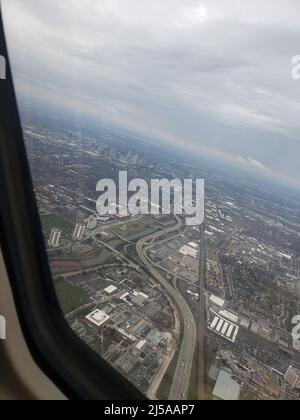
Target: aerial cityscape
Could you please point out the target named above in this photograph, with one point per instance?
(170, 90)
(183, 312)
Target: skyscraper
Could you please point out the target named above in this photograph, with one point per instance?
(54, 238)
(78, 232)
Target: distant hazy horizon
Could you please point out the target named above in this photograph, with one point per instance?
(28, 103)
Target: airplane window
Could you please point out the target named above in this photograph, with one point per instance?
(163, 143)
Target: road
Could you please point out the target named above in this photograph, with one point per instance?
(202, 316)
(113, 250)
(181, 380)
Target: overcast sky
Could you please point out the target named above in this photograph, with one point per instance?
(213, 75)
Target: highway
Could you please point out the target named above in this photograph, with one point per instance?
(202, 316)
(181, 380)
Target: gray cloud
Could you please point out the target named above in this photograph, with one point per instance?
(212, 75)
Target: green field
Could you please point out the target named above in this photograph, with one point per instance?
(70, 297)
(51, 221)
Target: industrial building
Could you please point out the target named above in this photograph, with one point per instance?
(110, 289)
(224, 327)
(97, 317)
(226, 389)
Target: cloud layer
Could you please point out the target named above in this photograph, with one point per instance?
(212, 75)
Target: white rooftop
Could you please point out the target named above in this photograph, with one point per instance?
(141, 344)
(188, 250)
(229, 315)
(217, 301)
(193, 245)
(110, 289)
(226, 388)
(97, 317)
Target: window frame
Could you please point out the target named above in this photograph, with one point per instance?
(76, 369)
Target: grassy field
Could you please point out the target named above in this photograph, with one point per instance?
(70, 297)
(51, 221)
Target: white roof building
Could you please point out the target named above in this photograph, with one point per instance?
(229, 315)
(141, 344)
(110, 289)
(193, 245)
(97, 317)
(217, 301)
(188, 250)
(226, 389)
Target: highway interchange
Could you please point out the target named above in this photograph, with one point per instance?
(181, 380)
(182, 313)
